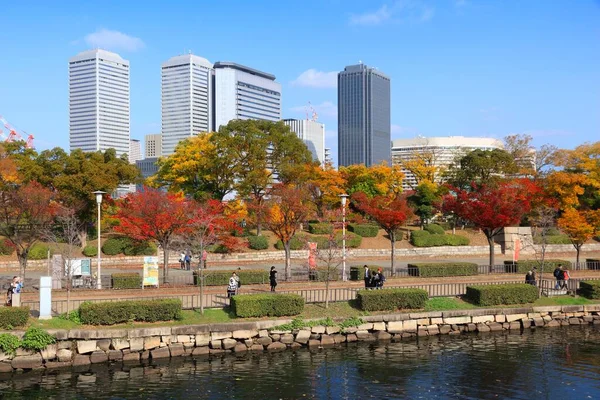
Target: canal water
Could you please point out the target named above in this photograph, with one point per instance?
(561, 363)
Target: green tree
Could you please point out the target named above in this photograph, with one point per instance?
(424, 199)
(481, 166)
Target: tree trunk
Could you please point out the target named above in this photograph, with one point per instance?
(82, 235)
(165, 264)
(201, 278)
(578, 249)
(327, 290)
(288, 266)
(490, 239)
(393, 240)
(22, 264)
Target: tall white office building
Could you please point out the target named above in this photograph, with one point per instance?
(187, 93)
(313, 135)
(99, 102)
(245, 93)
(135, 151)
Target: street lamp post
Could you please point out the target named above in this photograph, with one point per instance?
(99, 194)
(344, 198)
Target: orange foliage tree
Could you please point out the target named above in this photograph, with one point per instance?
(580, 226)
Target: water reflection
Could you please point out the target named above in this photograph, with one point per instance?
(553, 364)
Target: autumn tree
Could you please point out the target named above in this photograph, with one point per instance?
(491, 207)
(580, 226)
(324, 185)
(389, 212)
(423, 164)
(155, 215)
(26, 215)
(288, 207)
(529, 160)
(330, 257)
(374, 180)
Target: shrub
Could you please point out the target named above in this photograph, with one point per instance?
(493, 295)
(36, 339)
(553, 232)
(126, 280)
(138, 248)
(320, 274)
(5, 248)
(442, 269)
(426, 239)
(110, 313)
(435, 229)
(113, 246)
(590, 289)
(9, 343)
(299, 241)
(267, 305)
(38, 251)
(357, 272)
(364, 230)
(391, 299)
(247, 277)
(523, 266)
(90, 251)
(258, 242)
(552, 239)
(321, 228)
(12, 317)
(352, 240)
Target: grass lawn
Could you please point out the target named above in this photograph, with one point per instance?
(447, 303)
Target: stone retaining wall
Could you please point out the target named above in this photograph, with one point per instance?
(85, 347)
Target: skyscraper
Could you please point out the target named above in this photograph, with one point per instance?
(245, 93)
(364, 135)
(99, 102)
(313, 135)
(135, 150)
(187, 93)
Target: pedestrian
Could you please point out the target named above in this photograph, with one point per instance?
(380, 278)
(9, 294)
(188, 260)
(182, 260)
(565, 279)
(558, 276)
(368, 277)
(273, 278)
(530, 277)
(233, 286)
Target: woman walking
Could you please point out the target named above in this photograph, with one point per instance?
(233, 285)
(273, 278)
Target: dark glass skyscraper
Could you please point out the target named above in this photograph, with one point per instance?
(363, 116)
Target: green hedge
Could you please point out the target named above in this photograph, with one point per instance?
(442, 269)
(426, 239)
(364, 230)
(90, 250)
(267, 305)
(507, 294)
(12, 317)
(258, 242)
(590, 289)
(552, 239)
(38, 251)
(321, 228)
(138, 248)
(113, 246)
(126, 280)
(357, 272)
(391, 299)
(5, 248)
(299, 241)
(523, 266)
(247, 277)
(110, 313)
(435, 229)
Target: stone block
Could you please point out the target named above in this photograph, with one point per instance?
(263, 333)
(337, 338)
(457, 320)
(423, 322)
(55, 364)
(482, 319)
(288, 338)
(228, 344)
(115, 355)
(552, 324)
(6, 368)
(214, 344)
(312, 343)
(240, 348)
(81, 360)
(364, 336)
(445, 329)
(98, 357)
(409, 325)
(145, 355)
(383, 335)
(495, 326)
(532, 315)
(471, 327)
(351, 337)
(151, 343)
(318, 329)
(437, 321)
(574, 321)
(330, 330)
(49, 353)
(27, 362)
(176, 350)
(538, 321)
(220, 335)
(66, 344)
(547, 318)
(365, 327)
(295, 346)
(202, 339)
(278, 332)
(395, 327)
(162, 352)
(500, 318)
(515, 317)
(249, 342)
(327, 340)
(257, 347)
(184, 338)
(275, 337)
(136, 344)
(264, 341)
(422, 331)
(103, 344)
(201, 351)
(119, 344)
(64, 355)
(276, 346)
(351, 329)
(515, 325)
(86, 346)
(131, 357)
(302, 336)
(165, 339)
(379, 326)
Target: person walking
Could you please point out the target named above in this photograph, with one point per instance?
(565, 279)
(232, 287)
(182, 260)
(379, 278)
(188, 261)
(273, 278)
(9, 293)
(558, 276)
(368, 277)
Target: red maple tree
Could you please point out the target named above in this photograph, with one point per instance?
(492, 207)
(155, 215)
(389, 212)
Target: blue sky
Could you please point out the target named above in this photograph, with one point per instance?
(458, 67)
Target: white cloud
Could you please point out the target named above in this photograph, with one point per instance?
(316, 79)
(113, 40)
(412, 11)
(325, 109)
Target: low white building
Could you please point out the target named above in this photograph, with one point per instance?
(313, 135)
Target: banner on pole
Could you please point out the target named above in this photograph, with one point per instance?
(312, 255)
(516, 250)
(150, 271)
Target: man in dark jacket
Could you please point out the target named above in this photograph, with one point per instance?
(558, 274)
(368, 277)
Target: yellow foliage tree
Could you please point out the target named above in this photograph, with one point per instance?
(377, 180)
(580, 226)
(324, 185)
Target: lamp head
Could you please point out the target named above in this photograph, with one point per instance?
(344, 198)
(99, 194)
